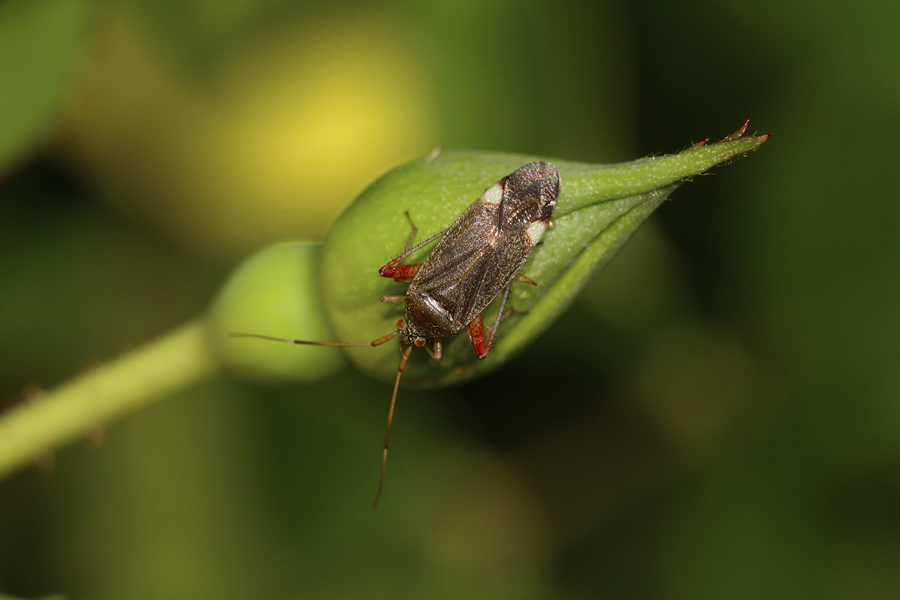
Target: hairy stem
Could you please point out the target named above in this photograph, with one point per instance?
(71, 409)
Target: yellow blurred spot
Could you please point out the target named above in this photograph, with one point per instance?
(273, 146)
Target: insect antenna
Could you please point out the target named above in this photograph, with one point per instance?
(387, 433)
(377, 342)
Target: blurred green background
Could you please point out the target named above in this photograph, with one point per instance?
(717, 417)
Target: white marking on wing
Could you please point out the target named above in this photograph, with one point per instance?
(493, 195)
(536, 231)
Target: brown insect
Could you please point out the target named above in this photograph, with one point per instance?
(476, 259)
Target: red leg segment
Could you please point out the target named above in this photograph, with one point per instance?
(405, 273)
(399, 272)
(475, 331)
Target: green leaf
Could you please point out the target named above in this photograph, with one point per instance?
(598, 210)
(38, 51)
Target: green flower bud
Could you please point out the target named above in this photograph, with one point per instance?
(599, 208)
(274, 292)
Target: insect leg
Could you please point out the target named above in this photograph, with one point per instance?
(512, 310)
(475, 332)
(409, 248)
(420, 245)
(524, 279)
(499, 318)
(475, 329)
(387, 433)
(412, 234)
(402, 273)
(388, 268)
(436, 353)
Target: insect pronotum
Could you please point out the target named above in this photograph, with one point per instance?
(477, 258)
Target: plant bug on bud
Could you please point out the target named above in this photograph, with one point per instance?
(477, 258)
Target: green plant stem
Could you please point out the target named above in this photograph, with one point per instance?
(129, 382)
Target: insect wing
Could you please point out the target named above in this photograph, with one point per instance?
(529, 197)
(486, 247)
(452, 270)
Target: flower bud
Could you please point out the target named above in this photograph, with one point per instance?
(274, 292)
(599, 208)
